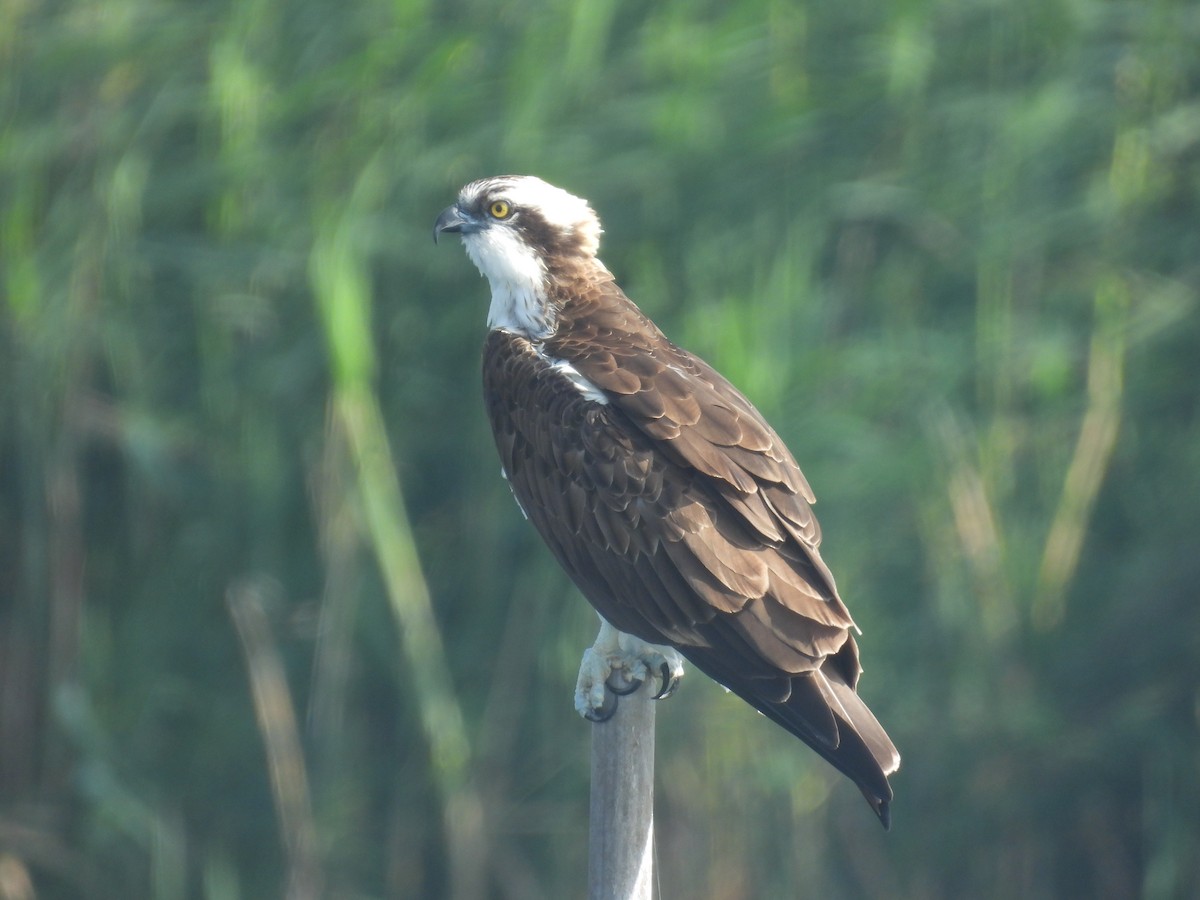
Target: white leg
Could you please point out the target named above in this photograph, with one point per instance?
(616, 664)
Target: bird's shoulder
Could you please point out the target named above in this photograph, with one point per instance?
(696, 416)
(552, 423)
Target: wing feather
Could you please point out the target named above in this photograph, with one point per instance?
(684, 520)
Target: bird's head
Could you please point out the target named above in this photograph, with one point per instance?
(522, 232)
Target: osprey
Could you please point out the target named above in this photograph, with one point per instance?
(668, 499)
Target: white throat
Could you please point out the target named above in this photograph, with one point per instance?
(518, 280)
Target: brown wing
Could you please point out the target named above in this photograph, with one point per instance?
(684, 520)
(702, 422)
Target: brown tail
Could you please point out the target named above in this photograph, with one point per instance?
(824, 711)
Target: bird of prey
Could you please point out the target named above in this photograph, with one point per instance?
(664, 494)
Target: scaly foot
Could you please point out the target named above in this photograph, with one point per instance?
(616, 665)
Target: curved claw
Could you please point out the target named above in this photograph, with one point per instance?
(670, 681)
(604, 712)
(621, 684)
(616, 665)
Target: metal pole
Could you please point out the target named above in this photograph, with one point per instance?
(621, 822)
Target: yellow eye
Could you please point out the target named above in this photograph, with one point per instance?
(500, 209)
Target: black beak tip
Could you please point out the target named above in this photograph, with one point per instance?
(451, 220)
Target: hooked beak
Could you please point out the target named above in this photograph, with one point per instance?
(455, 221)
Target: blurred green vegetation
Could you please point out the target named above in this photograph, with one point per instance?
(952, 250)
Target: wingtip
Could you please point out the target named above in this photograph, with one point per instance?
(883, 809)
(881, 806)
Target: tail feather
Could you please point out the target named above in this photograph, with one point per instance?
(859, 748)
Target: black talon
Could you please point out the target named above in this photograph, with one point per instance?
(620, 685)
(606, 711)
(669, 683)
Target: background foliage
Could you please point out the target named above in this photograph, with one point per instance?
(950, 249)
